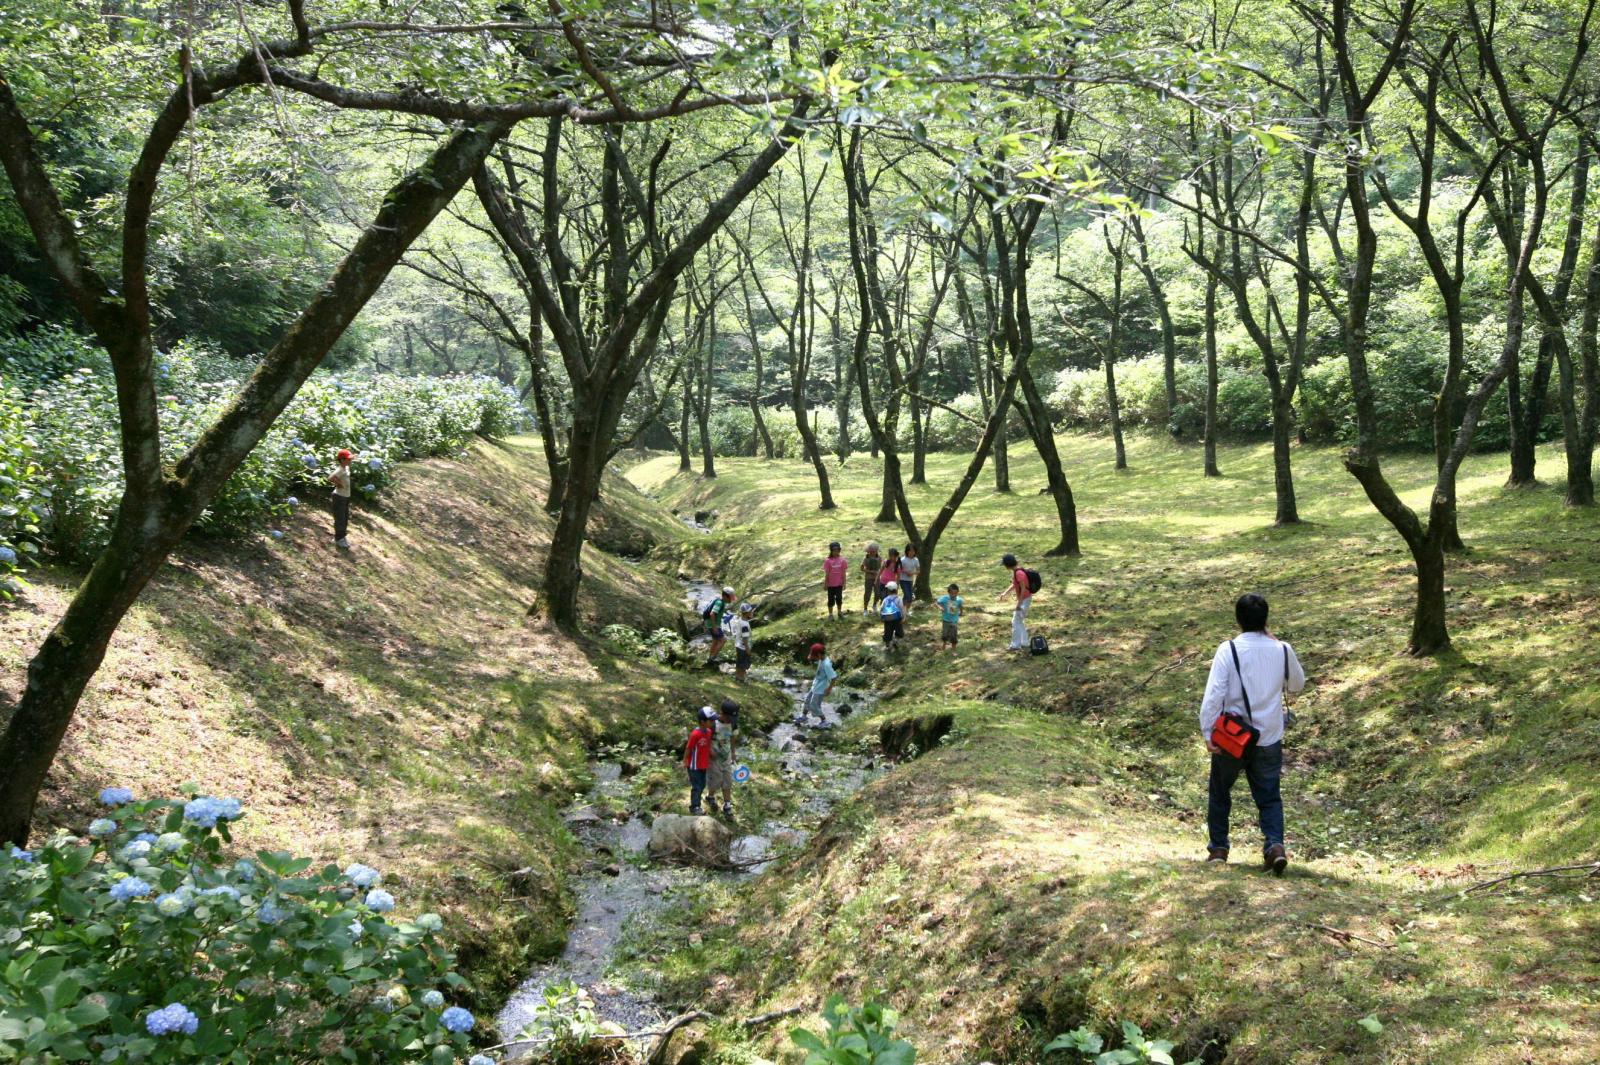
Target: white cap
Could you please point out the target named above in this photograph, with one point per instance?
(727, 589)
(707, 713)
(892, 586)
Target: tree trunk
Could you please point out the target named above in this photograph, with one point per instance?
(919, 445)
(1282, 472)
(765, 437)
(685, 460)
(1429, 634)
(563, 571)
(1038, 419)
(1210, 429)
(808, 444)
(1116, 414)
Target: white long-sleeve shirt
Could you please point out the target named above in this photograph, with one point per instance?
(1270, 668)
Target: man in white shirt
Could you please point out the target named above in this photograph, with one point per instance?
(1249, 675)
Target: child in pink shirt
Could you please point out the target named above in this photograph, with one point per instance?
(835, 568)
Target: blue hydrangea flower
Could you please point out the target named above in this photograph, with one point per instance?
(276, 534)
(432, 999)
(170, 1019)
(310, 461)
(356, 928)
(173, 903)
(269, 912)
(480, 1059)
(21, 855)
(380, 900)
(101, 827)
(292, 501)
(244, 869)
(227, 890)
(171, 842)
(135, 850)
(146, 837)
(374, 464)
(115, 796)
(456, 1019)
(130, 888)
(206, 811)
(363, 876)
(430, 922)
(7, 555)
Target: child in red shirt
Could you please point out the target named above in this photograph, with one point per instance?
(697, 756)
(835, 568)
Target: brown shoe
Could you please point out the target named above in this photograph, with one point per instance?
(1216, 854)
(1276, 859)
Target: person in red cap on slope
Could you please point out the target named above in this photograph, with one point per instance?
(340, 479)
(822, 684)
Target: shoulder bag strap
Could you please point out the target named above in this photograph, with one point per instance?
(1234, 651)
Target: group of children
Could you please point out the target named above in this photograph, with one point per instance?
(889, 589)
(724, 620)
(710, 756)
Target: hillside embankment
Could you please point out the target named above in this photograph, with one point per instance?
(392, 704)
(1039, 868)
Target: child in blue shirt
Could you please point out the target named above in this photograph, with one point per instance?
(893, 614)
(949, 616)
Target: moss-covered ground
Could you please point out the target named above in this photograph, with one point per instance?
(393, 704)
(1041, 868)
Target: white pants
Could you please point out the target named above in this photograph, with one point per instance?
(1019, 624)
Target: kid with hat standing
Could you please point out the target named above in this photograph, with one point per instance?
(741, 640)
(340, 479)
(697, 756)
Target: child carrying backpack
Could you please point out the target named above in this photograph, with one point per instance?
(893, 615)
(1024, 582)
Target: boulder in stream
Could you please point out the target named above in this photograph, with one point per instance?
(699, 840)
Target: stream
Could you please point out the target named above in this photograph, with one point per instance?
(623, 885)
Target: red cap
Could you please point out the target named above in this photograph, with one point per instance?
(817, 651)
(344, 455)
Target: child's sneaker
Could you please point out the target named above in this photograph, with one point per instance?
(713, 805)
(727, 809)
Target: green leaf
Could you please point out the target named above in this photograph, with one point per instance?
(1371, 1023)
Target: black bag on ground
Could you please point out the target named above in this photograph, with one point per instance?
(1038, 646)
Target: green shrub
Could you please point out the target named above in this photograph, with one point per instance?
(60, 422)
(856, 1035)
(142, 942)
(1136, 1048)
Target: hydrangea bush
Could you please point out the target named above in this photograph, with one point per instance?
(141, 942)
(59, 432)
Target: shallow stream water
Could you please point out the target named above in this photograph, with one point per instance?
(624, 886)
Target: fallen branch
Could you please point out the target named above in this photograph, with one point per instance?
(767, 1018)
(658, 1051)
(1574, 872)
(1154, 673)
(1346, 937)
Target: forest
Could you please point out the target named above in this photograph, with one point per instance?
(1176, 299)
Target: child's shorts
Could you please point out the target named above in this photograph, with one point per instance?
(947, 631)
(836, 596)
(741, 657)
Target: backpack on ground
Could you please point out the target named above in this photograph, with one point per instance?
(1038, 646)
(1035, 582)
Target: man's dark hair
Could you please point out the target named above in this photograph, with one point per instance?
(1009, 560)
(1251, 611)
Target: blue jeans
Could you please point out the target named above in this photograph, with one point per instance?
(697, 787)
(1262, 766)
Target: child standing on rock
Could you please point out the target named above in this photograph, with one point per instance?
(697, 756)
(835, 568)
(741, 641)
(822, 683)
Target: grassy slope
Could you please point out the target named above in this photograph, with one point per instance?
(390, 704)
(1041, 871)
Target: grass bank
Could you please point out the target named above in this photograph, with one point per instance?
(1039, 869)
(391, 704)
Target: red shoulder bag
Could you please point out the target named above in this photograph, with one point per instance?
(1234, 734)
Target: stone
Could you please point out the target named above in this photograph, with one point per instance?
(698, 840)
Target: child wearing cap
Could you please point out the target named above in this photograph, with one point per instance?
(716, 616)
(724, 753)
(871, 565)
(697, 756)
(949, 616)
(340, 479)
(822, 683)
(893, 615)
(741, 640)
(835, 569)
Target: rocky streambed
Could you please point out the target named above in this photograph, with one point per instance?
(624, 884)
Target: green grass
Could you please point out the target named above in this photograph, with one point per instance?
(1042, 871)
(392, 705)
